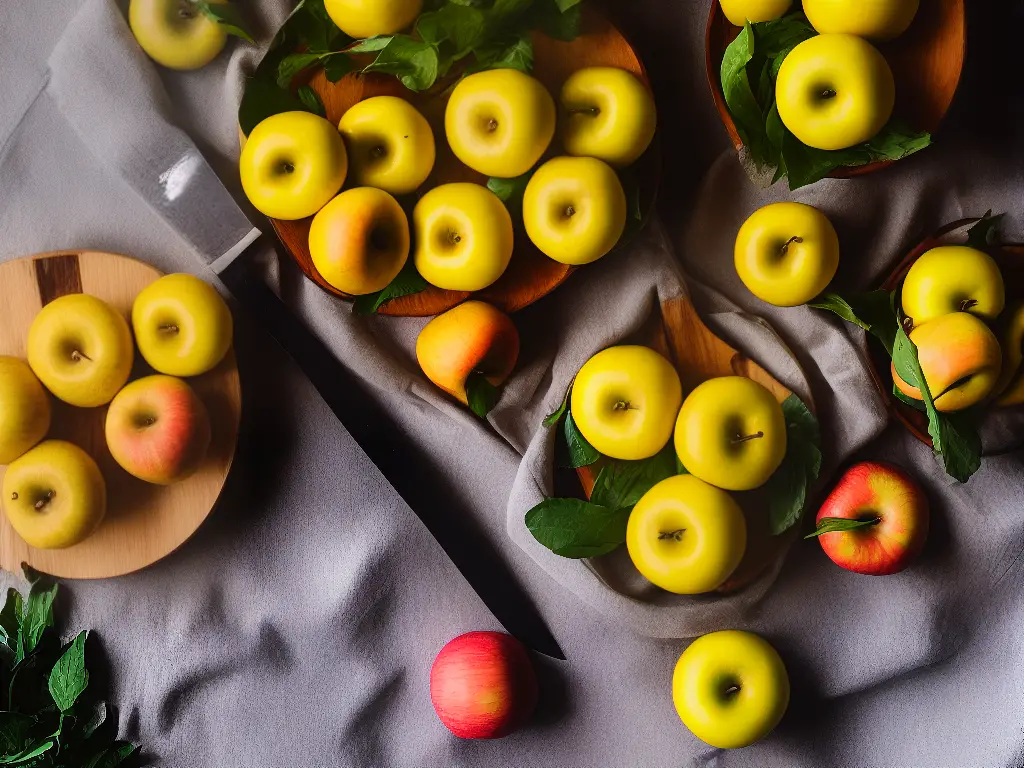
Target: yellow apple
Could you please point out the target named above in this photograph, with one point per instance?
(390, 145)
(873, 19)
(738, 12)
(961, 360)
(686, 536)
(953, 278)
(54, 496)
(24, 409)
(360, 240)
(368, 18)
(1010, 386)
(292, 164)
(499, 122)
(787, 253)
(463, 237)
(574, 209)
(176, 33)
(624, 400)
(730, 688)
(81, 349)
(731, 433)
(835, 91)
(607, 113)
(158, 430)
(182, 325)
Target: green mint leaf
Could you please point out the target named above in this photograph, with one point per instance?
(556, 416)
(311, 101)
(69, 677)
(113, 756)
(985, 232)
(916, 404)
(553, 20)
(904, 358)
(581, 452)
(789, 486)
(15, 734)
(229, 17)
(836, 524)
(263, 98)
(622, 484)
(775, 39)
(505, 53)
(746, 112)
(871, 311)
(414, 62)
(577, 529)
(291, 65)
(458, 25)
(337, 65)
(406, 283)
(961, 444)
(38, 616)
(370, 44)
(10, 620)
(482, 395)
(29, 753)
(510, 192)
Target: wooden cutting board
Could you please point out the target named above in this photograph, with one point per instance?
(144, 522)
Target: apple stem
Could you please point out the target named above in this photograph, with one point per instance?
(785, 246)
(677, 535)
(968, 304)
(186, 9)
(169, 328)
(592, 111)
(731, 690)
(78, 356)
(828, 93)
(14, 496)
(570, 212)
(492, 125)
(744, 438)
(623, 405)
(44, 501)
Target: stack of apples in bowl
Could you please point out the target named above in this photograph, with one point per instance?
(156, 428)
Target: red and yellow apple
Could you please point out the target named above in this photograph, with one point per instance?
(182, 325)
(730, 688)
(686, 536)
(787, 253)
(176, 33)
(876, 520)
(499, 122)
(483, 686)
(360, 240)
(54, 496)
(961, 360)
(624, 400)
(874, 19)
(158, 430)
(835, 91)
(472, 337)
(369, 18)
(953, 278)
(24, 409)
(81, 349)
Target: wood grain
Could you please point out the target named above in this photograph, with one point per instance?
(698, 355)
(531, 275)
(144, 522)
(926, 63)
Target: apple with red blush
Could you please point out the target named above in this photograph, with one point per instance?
(875, 521)
(483, 686)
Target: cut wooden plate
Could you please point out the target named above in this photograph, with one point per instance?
(531, 275)
(926, 61)
(698, 355)
(144, 522)
(1011, 263)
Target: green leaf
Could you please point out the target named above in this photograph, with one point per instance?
(291, 65)
(310, 27)
(985, 232)
(788, 487)
(228, 16)
(506, 53)
(10, 620)
(872, 311)
(577, 529)
(917, 404)
(406, 283)
(15, 733)
(336, 66)
(622, 484)
(510, 192)
(414, 62)
(371, 44)
(482, 395)
(556, 416)
(904, 359)
(311, 100)
(459, 25)
(69, 677)
(565, 5)
(775, 39)
(263, 98)
(38, 616)
(581, 452)
(746, 112)
(112, 757)
(549, 17)
(836, 524)
(29, 753)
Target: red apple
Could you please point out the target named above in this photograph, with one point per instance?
(483, 686)
(875, 521)
(158, 429)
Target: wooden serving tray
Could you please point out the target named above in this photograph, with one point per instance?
(698, 355)
(926, 61)
(531, 275)
(144, 522)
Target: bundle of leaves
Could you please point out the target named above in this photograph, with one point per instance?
(52, 719)
(750, 68)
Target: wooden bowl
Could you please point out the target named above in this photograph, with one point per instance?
(698, 355)
(1011, 262)
(926, 62)
(531, 275)
(144, 522)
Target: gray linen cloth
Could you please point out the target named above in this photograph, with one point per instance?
(298, 626)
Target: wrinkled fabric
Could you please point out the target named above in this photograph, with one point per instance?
(298, 626)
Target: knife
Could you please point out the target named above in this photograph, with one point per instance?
(128, 127)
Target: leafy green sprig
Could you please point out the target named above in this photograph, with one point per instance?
(225, 14)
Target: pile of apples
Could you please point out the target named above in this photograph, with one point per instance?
(157, 429)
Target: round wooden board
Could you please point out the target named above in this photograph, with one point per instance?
(144, 522)
(698, 355)
(531, 275)
(926, 62)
